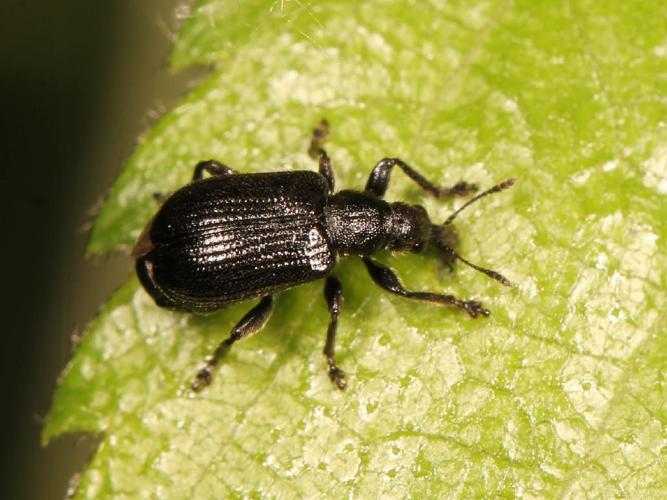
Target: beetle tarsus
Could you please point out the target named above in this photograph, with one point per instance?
(320, 134)
(461, 188)
(203, 378)
(337, 375)
(317, 152)
(474, 308)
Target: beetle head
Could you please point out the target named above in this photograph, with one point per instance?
(409, 228)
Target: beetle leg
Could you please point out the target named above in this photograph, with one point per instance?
(212, 167)
(334, 295)
(326, 171)
(320, 134)
(252, 322)
(316, 151)
(388, 280)
(379, 180)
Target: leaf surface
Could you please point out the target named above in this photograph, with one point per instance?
(561, 392)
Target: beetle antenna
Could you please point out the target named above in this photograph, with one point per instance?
(444, 239)
(489, 272)
(495, 189)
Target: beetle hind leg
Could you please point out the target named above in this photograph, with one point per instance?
(334, 295)
(252, 322)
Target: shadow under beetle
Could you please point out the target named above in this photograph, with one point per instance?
(232, 237)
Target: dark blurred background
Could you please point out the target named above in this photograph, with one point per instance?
(80, 80)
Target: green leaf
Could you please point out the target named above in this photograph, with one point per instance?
(560, 393)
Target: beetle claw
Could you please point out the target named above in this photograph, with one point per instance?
(474, 308)
(337, 376)
(203, 378)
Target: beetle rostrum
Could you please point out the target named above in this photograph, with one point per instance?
(231, 237)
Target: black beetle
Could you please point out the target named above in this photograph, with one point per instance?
(233, 237)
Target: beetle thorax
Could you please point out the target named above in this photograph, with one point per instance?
(360, 223)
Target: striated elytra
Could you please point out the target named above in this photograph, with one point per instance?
(231, 237)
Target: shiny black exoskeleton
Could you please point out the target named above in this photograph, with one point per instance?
(233, 237)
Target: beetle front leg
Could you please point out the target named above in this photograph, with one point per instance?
(212, 167)
(379, 180)
(317, 152)
(387, 279)
(252, 322)
(334, 295)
